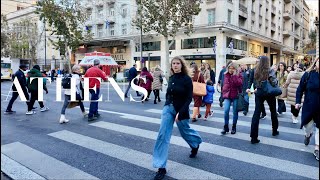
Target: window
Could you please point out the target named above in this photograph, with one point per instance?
(150, 46)
(89, 12)
(206, 42)
(211, 16)
(124, 29)
(124, 12)
(100, 30)
(111, 30)
(237, 44)
(229, 16)
(112, 12)
(260, 10)
(173, 46)
(99, 11)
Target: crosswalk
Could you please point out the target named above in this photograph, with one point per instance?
(123, 137)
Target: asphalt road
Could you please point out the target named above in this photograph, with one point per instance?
(119, 144)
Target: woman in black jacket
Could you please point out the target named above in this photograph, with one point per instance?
(263, 73)
(176, 109)
(309, 86)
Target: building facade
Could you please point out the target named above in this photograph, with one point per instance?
(46, 55)
(275, 28)
(9, 6)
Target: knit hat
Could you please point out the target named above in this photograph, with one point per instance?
(300, 66)
(96, 62)
(36, 67)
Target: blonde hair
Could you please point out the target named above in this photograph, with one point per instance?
(313, 67)
(184, 69)
(75, 68)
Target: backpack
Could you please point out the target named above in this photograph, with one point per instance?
(66, 81)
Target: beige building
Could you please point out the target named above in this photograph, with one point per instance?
(276, 28)
(45, 52)
(8, 6)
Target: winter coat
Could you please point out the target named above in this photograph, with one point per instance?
(245, 80)
(22, 80)
(132, 73)
(213, 76)
(79, 87)
(311, 90)
(292, 83)
(197, 99)
(33, 86)
(156, 84)
(282, 78)
(179, 93)
(206, 75)
(208, 99)
(231, 86)
(149, 79)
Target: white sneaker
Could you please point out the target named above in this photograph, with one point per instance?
(294, 119)
(211, 114)
(30, 112)
(63, 119)
(44, 109)
(85, 113)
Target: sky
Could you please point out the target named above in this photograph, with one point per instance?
(313, 4)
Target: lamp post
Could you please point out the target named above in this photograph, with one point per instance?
(149, 61)
(55, 61)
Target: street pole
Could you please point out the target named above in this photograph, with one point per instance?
(149, 61)
(45, 46)
(142, 65)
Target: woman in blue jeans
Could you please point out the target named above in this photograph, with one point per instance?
(176, 109)
(232, 86)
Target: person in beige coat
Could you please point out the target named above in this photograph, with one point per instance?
(157, 83)
(292, 83)
(206, 73)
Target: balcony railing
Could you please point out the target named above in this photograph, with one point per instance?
(273, 25)
(243, 8)
(210, 1)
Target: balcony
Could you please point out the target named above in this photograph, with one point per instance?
(287, 15)
(286, 32)
(111, 2)
(287, 1)
(273, 10)
(273, 26)
(243, 8)
(210, 1)
(260, 20)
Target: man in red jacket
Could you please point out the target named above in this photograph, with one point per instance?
(94, 72)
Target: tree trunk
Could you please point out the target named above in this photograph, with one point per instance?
(67, 56)
(166, 62)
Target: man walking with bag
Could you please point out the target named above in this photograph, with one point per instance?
(132, 74)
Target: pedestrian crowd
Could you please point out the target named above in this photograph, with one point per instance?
(276, 84)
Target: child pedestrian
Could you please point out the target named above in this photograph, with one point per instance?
(208, 99)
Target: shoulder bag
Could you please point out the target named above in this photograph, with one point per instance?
(199, 89)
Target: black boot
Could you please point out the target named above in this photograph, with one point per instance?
(194, 152)
(275, 132)
(155, 102)
(254, 140)
(160, 174)
(225, 129)
(234, 129)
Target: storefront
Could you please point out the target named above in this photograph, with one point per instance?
(198, 59)
(149, 62)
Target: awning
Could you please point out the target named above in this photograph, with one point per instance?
(104, 61)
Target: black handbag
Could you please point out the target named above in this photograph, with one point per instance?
(240, 103)
(161, 79)
(270, 90)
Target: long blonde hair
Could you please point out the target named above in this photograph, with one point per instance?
(184, 69)
(313, 67)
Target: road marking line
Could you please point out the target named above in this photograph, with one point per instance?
(248, 157)
(44, 165)
(177, 170)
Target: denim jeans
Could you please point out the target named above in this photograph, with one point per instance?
(259, 100)
(227, 104)
(67, 99)
(128, 88)
(246, 102)
(94, 103)
(161, 148)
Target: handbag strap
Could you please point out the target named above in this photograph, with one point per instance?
(198, 76)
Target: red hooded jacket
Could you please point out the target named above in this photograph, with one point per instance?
(232, 85)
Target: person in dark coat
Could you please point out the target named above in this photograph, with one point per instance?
(197, 77)
(220, 82)
(148, 84)
(34, 91)
(245, 72)
(176, 109)
(232, 84)
(263, 73)
(132, 74)
(23, 83)
(250, 83)
(309, 86)
(53, 72)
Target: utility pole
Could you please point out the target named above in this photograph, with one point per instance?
(141, 7)
(45, 45)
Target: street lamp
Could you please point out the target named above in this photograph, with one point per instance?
(55, 61)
